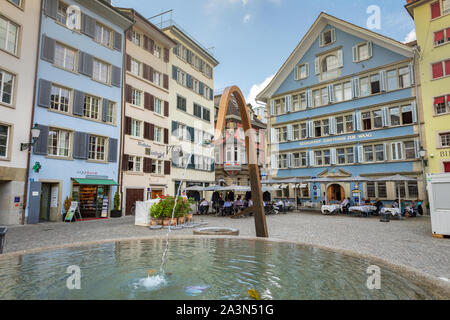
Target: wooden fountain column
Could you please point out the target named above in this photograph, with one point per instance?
(255, 180)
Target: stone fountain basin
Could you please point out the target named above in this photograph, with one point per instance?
(216, 231)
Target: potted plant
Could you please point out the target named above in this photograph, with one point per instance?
(156, 212)
(67, 204)
(116, 212)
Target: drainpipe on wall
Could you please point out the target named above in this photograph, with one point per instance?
(27, 176)
(416, 54)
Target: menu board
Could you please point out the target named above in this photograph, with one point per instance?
(105, 207)
(71, 212)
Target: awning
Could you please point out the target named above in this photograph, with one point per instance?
(96, 182)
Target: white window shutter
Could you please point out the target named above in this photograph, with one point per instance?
(321, 40)
(383, 80)
(414, 111)
(309, 98)
(272, 107)
(307, 69)
(296, 73)
(340, 57)
(411, 69)
(355, 54)
(272, 135)
(288, 102)
(333, 156)
(387, 117)
(383, 116)
(333, 35)
(317, 66)
(417, 148)
(385, 152)
(369, 48)
(310, 129)
(289, 132)
(331, 93)
(274, 162)
(312, 161)
(355, 83)
(332, 125)
(289, 160)
(360, 154)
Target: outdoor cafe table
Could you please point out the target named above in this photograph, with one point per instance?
(364, 209)
(393, 211)
(331, 208)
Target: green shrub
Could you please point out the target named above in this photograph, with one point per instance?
(117, 201)
(164, 208)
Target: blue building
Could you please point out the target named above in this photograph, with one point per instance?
(344, 104)
(77, 108)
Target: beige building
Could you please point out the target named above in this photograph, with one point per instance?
(19, 30)
(191, 101)
(146, 166)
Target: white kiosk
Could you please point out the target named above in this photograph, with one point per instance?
(438, 186)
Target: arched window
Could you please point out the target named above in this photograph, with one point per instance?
(329, 63)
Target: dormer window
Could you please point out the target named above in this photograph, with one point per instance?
(327, 37)
(362, 51)
(327, 66)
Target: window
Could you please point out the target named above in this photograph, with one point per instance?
(441, 69)
(303, 131)
(377, 119)
(136, 38)
(345, 155)
(445, 139)
(103, 35)
(296, 132)
(395, 116)
(364, 86)
(439, 105)
(363, 52)
(181, 77)
(341, 158)
(135, 67)
(340, 125)
(8, 35)
(407, 114)
(446, 6)
(379, 152)
(60, 98)
(61, 14)
(368, 154)
(4, 140)
(58, 143)
(413, 190)
(158, 134)
(348, 91)
(404, 77)
(18, 3)
(157, 167)
(206, 115)
(410, 150)
(371, 190)
(435, 10)
(136, 97)
(134, 164)
(110, 112)
(376, 190)
(302, 71)
(283, 134)
(375, 84)
(328, 37)
(97, 148)
(366, 121)
(157, 78)
(317, 129)
(157, 51)
(349, 123)
(338, 93)
(158, 106)
(324, 95)
(6, 87)
(101, 71)
(330, 63)
(181, 103)
(316, 98)
(392, 82)
(64, 57)
(91, 107)
(197, 110)
(136, 128)
(439, 37)
(326, 127)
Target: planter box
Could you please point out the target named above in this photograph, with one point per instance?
(116, 213)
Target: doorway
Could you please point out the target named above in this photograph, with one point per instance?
(447, 167)
(132, 196)
(48, 210)
(336, 193)
(156, 194)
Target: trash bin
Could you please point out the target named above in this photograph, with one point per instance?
(3, 231)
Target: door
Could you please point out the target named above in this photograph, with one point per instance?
(336, 193)
(34, 202)
(44, 214)
(132, 196)
(447, 167)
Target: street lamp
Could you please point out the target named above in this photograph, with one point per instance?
(35, 133)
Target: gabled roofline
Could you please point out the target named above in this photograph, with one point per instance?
(192, 43)
(134, 13)
(410, 6)
(325, 19)
(126, 21)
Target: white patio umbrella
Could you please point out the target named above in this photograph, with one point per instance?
(396, 178)
(212, 188)
(195, 188)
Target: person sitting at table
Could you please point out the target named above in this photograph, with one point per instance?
(204, 206)
(395, 204)
(363, 201)
(228, 207)
(368, 202)
(324, 199)
(345, 205)
(239, 203)
(379, 206)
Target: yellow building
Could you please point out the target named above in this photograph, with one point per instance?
(432, 20)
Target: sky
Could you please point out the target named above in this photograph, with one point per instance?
(253, 38)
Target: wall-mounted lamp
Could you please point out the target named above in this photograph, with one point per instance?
(423, 154)
(35, 133)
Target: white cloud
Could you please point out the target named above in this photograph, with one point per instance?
(256, 89)
(247, 18)
(411, 36)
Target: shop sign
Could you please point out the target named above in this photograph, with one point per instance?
(158, 155)
(87, 173)
(348, 138)
(445, 153)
